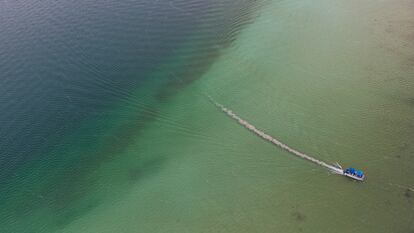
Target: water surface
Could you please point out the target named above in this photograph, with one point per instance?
(107, 128)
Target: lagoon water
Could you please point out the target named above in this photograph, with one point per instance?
(105, 126)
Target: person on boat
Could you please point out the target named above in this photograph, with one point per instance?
(350, 170)
(359, 174)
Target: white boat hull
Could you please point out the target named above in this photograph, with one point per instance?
(354, 177)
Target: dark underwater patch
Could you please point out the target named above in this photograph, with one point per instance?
(67, 216)
(146, 169)
(299, 216)
(408, 193)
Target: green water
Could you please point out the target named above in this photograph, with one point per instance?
(317, 75)
(331, 78)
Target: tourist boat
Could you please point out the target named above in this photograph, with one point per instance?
(354, 174)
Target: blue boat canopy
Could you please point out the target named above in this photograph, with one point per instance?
(356, 174)
(351, 170)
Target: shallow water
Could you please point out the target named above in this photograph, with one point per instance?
(108, 129)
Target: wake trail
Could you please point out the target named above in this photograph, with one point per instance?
(274, 141)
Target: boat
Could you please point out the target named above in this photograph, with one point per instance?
(354, 174)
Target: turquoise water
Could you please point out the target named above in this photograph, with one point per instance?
(80, 81)
(107, 128)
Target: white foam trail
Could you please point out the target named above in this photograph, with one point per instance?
(273, 140)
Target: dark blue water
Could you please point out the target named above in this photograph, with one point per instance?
(64, 63)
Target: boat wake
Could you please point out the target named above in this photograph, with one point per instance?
(335, 169)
